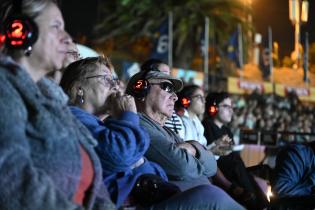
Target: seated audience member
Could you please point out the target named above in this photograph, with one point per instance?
(122, 141)
(189, 106)
(294, 173)
(47, 157)
(218, 114)
(188, 165)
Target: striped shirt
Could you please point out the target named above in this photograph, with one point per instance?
(174, 123)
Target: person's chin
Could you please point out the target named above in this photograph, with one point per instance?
(169, 114)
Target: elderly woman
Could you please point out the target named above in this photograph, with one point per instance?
(188, 165)
(47, 157)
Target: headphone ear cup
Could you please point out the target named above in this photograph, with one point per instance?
(185, 102)
(21, 32)
(140, 88)
(2, 36)
(213, 110)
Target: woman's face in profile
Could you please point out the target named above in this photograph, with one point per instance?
(197, 104)
(100, 85)
(50, 49)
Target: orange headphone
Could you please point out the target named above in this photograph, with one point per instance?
(141, 87)
(185, 102)
(213, 109)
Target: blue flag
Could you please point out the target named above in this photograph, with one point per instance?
(161, 43)
(233, 49)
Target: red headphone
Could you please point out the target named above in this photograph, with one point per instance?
(213, 110)
(2, 36)
(141, 88)
(20, 31)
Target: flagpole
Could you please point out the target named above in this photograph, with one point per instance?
(206, 55)
(270, 54)
(306, 54)
(170, 39)
(240, 49)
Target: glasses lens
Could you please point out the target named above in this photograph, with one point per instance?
(110, 80)
(168, 87)
(226, 106)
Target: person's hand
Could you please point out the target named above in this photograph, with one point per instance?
(222, 146)
(223, 141)
(118, 103)
(188, 147)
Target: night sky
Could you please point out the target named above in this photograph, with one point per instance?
(81, 14)
(275, 13)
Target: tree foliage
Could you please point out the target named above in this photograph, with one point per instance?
(134, 19)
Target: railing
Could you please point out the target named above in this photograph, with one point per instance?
(263, 146)
(274, 138)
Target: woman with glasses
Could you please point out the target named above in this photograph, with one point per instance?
(190, 106)
(243, 187)
(188, 165)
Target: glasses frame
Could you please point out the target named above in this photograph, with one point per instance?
(199, 97)
(226, 106)
(110, 79)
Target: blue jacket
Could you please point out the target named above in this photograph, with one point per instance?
(294, 171)
(121, 143)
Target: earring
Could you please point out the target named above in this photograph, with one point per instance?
(28, 51)
(80, 96)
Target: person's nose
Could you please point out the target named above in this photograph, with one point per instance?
(66, 38)
(174, 96)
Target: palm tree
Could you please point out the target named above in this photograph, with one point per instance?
(134, 19)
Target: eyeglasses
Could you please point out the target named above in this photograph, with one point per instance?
(226, 106)
(200, 97)
(166, 86)
(108, 79)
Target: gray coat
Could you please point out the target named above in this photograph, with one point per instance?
(183, 169)
(40, 163)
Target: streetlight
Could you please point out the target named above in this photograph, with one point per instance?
(296, 19)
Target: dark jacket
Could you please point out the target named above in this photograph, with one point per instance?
(40, 163)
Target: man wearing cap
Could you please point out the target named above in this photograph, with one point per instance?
(187, 164)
